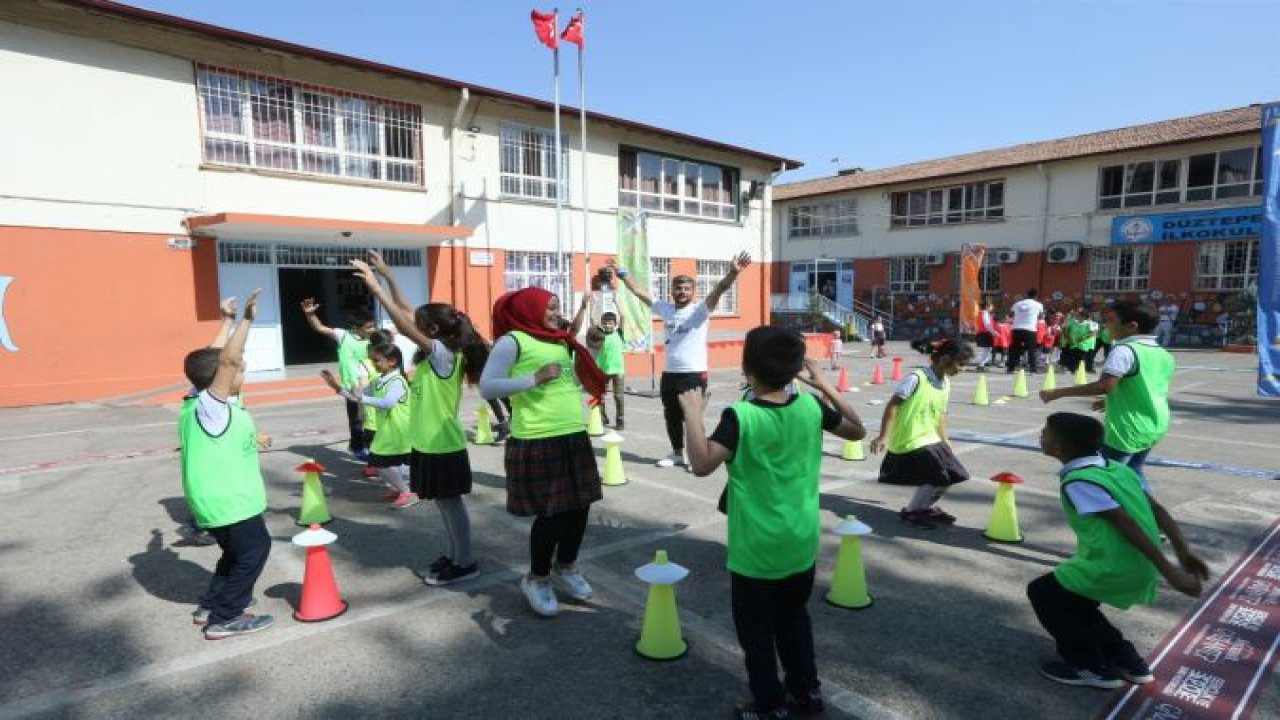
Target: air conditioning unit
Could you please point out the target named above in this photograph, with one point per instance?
(1063, 252)
(1006, 257)
(935, 258)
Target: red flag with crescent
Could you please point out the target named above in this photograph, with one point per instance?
(544, 24)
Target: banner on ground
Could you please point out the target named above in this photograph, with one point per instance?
(1269, 263)
(633, 254)
(971, 258)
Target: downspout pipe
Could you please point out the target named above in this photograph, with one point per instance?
(455, 215)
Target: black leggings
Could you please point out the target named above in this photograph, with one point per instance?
(560, 536)
(671, 385)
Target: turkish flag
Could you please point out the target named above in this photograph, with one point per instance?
(544, 24)
(574, 33)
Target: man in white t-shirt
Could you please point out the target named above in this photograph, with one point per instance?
(686, 324)
(1026, 314)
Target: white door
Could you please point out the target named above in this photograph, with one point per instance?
(413, 283)
(265, 347)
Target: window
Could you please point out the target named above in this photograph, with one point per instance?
(1230, 265)
(1208, 176)
(259, 121)
(537, 269)
(974, 202)
(1117, 269)
(709, 273)
(831, 218)
(908, 274)
(659, 277)
(528, 166)
(988, 274)
(680, 187)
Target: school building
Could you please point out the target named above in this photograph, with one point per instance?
(152, 164)
(1167, 210)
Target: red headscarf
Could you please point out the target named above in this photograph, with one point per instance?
(524, 310)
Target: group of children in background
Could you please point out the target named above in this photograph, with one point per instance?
(1064, 339)
(406, 426)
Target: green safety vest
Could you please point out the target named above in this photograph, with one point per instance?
(916, 424)
(220, 475)
(433, 425)
(550, 409)
(392, 437)
(610, 357)
(351, 352)
(1106, 567)
(370, 417)
(1137, 414)
(773, 488)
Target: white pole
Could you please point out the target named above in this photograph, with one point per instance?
(566, 299)
(582, 122)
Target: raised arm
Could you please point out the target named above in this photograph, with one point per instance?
(641, 293)
(231, 359)
(578, 319)
(740, 263)
(309, 308)
(380, 266)
(400, 315)
(228, 309)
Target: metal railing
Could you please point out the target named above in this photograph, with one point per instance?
(859, 316)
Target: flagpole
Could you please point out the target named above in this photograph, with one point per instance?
(582, 122)
(566, 298)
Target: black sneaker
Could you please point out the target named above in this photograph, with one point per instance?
(918, 519)
(938, 515)
(1061, 672)
(620, 425)
(452, 574)
(751, 712)
(1136, 672)
(807, 704)
(242, 625)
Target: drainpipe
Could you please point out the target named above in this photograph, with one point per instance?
(766, 219)
(1044, 226)
(455, 214)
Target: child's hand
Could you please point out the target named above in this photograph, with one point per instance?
(693, 401)
(876, 445)
(365, 273)
(547, 373)
(228, 308)
(1048, 396)
(251, 305)
(309, 306)
(378, 263)
(1193, 564)
(812, 376)
(264, 441)
(330, 380)
(1100, 404)
(1184, 582)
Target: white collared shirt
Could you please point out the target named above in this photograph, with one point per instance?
(1088, 498)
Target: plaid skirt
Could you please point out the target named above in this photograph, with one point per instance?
(440, 476)
(552, 475)
(930, 465)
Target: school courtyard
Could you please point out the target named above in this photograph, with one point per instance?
(98, 584)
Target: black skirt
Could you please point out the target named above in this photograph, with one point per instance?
(930, 465)
(552, 475)
(440, 476)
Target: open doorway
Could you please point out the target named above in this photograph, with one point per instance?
(339, 293)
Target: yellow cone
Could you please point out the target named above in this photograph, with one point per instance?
(1020, 383)
(980, 395)
(1081, 377)
(484, 433)
(315, 510)
(849, 585)
(595, 421)
(1003, 526)
(852, 450)
(613, 472)
(1051, 379)
(660, 637)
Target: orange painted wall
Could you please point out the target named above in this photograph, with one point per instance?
(1173, 266)
(99, 314)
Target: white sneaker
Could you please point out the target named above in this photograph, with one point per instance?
(675, 458)
(571, 583)
(542, 599)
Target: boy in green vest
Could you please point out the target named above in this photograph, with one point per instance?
(1135, 384)
(772, 444)
(1117, 560)
(353, 348)
(223, 482)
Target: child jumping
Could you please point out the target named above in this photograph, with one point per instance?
(222, 480)
(353, 347)
(914, 431)
(550, 464)
(772, 445)
(1117, 559)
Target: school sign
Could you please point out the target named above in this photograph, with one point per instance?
(1194, 226)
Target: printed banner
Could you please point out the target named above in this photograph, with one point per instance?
(1194, 226)
(633, 254)
(971, 258)
(1269, 263)
(1215, 662)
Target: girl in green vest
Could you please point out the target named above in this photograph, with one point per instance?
(386, 399)
(1117, 559)
(914, 431)
(550, 464)
(353, 346)
(439, 467)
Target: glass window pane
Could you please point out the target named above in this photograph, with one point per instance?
(995, 194)
(1140, 178)
(1168, 179)
(1200, 170)
(650, 172)
(1111, 181)
(272, 105)
(1235, 166)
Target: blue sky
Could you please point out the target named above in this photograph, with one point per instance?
(873, 83)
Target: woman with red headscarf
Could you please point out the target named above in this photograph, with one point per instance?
(550, 464)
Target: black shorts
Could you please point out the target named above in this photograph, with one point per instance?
(388, 461)
(984, 340)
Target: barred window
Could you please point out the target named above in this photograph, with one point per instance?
(988, 274)
(536, 269)
(831, 218)
(333, 256)
(1117, 269)
(659, 277)
(264, 122)
(709, 274)
(908, 274)
(659, 183)
(1230, 265)
(528, 165)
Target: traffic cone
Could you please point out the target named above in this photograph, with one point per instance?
(980, 394)
(1081, 377)
(1003, 526)
(877, 376)
(660, 637)
(897, 369)
(314, 508)
(320, 598)
(1020, 383)
(842, 382)
(613, 472)
(595, 420)
(484, 432)
(1051, 379)
(849, 585)
(852, 450)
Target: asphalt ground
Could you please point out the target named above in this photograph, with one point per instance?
(97, 584)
